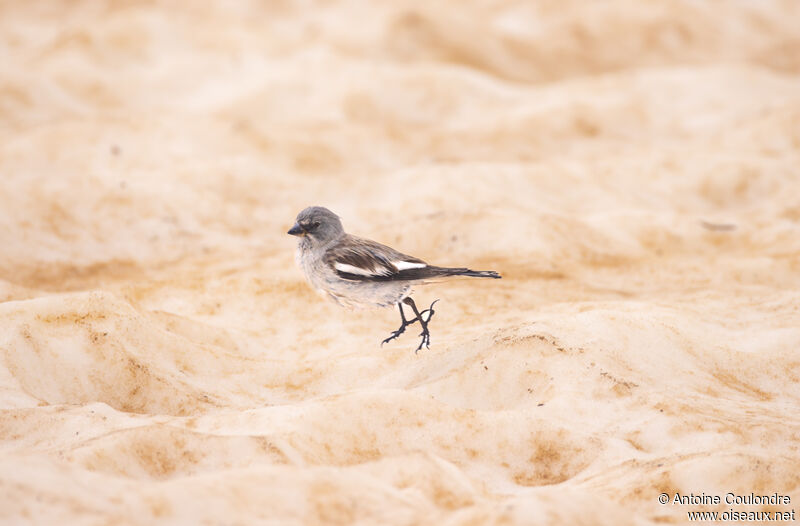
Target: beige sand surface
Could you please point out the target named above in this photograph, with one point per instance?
(632, 168)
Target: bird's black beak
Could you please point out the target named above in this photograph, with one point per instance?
(296, 230)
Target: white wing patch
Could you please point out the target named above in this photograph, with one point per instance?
(350, 269)
(405, 265)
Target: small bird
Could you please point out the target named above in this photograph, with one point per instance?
(357, 272)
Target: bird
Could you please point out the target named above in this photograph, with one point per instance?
(357, 272)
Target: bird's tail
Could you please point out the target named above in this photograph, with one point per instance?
(471, 273)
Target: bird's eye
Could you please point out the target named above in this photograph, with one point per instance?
(315, 225)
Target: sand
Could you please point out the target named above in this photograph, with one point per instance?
(631, 168)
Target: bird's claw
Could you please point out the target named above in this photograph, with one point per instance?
(395, 334)
(426, 334)
(426, 340)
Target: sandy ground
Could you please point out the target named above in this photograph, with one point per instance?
(632, 168)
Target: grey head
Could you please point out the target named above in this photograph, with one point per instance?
(317, 226)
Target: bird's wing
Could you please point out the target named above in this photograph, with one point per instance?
(357, 259)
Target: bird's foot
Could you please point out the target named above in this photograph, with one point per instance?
(426, 340)
(426, 334)
(401, 330)
(398, 332)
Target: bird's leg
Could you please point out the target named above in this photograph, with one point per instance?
(429, 309)
(426, 335)
(402, 328)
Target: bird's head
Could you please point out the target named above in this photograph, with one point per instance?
(317, 226)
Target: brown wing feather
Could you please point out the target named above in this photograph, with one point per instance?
(376, 262)
(372, 257)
